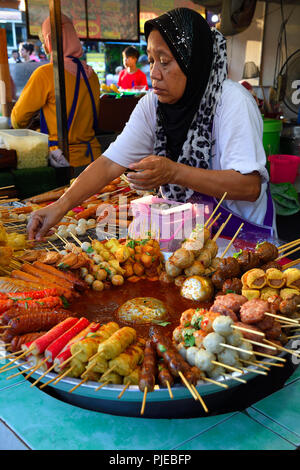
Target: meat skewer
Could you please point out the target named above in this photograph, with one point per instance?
(148, 372)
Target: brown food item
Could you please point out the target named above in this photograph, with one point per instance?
(15, 312)
(148, 371)
(253, 311)
(270, 352)
(229, 267)
(232, 301)
(235, 285)
(267, 252)
(164, 376)
(274, 332)
(170, 355)
(218, 279)
(70, 278)
(289, 306)
(271, 264)
(248, 260)
(17, 341)
(246, 334)
(29, 323)
(222, 310)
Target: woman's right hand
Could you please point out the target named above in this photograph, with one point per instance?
(43, 219)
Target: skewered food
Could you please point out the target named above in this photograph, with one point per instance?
(117, 342)
(253, 311)
(292, 276)
(148, 371)
(266, 251)
(254, 279)
(275, 278)
(197, 288)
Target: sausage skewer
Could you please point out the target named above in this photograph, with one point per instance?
(148, 372)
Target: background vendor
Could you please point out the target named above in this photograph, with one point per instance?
(131, 76)
(197, 133)
(82, 99)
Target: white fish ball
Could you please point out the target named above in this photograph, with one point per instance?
(89, 279)
(228, 357)
(81, 222)
(235, 339)
(212, 341)
(84, 272)
(80, 230)
(63, 252)
(203, 360)
(222, 325)
(246, 356)
(216, 372)
(191, 354)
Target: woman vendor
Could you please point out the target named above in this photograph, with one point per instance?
(196, 135)
(82, 99)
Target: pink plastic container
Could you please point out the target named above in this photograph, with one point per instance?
(283, 168)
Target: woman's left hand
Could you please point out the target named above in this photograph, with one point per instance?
(152, 171)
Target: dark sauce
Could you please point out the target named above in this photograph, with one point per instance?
(102, 306)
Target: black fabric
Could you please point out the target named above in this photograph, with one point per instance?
(189, 38)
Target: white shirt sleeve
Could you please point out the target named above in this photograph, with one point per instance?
(136, 141)
(238, 132)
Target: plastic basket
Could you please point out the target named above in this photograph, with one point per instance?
(170, 223)
(283, 168)
(31, 147)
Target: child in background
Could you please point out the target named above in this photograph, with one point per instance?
(131, 76)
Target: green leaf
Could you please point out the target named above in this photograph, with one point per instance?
(162, 323)
(16, 299)
(90, 249)
(131, 244)
(196, 321)
(64, 301)
(230, 291)
(237, 254)
(161, 348)
(189, 341)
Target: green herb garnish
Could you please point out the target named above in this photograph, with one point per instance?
(161, 323)
(64, 301)
(131, 244)
(229, 291)
(161, 348)
(188, 336)
(196, 321)
(237, 254)
(90, 249)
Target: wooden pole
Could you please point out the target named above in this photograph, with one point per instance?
(5, 78)
(59, 76)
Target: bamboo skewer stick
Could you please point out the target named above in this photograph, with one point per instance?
(63, 375)
(7, 187)
(292, 337)
(169, 390)
(144, 401)
(215, 382)
(43, 375)
(47, 383)
(260, 372)
(280, 359)
(251, 363)
(226, 366)
(68, 360)
(259, 344)
(259, 333)
(10, 368)
(13, 354)
(17, 358)
(238, 379)
(287, 246)
(281, 348)
(78, 385)
(108, 371)
(221, 228)
(187, 384)
(124, 390)
(101, 386)
(268, 363)
(200, 398)
(76, 239)
(288, 320)
(53, 246)
(232, 240)
(215, 210)
(19, 373)
(292, 263)
(213, 221)
(285, 255)
(36, 368)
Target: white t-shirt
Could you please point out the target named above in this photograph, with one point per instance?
(236, 136)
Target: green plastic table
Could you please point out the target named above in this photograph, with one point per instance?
(30, 419)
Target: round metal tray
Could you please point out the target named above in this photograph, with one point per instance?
(218, 400)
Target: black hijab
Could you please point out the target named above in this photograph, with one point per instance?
(190, 40)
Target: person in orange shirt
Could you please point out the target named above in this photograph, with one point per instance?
(82, 99)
